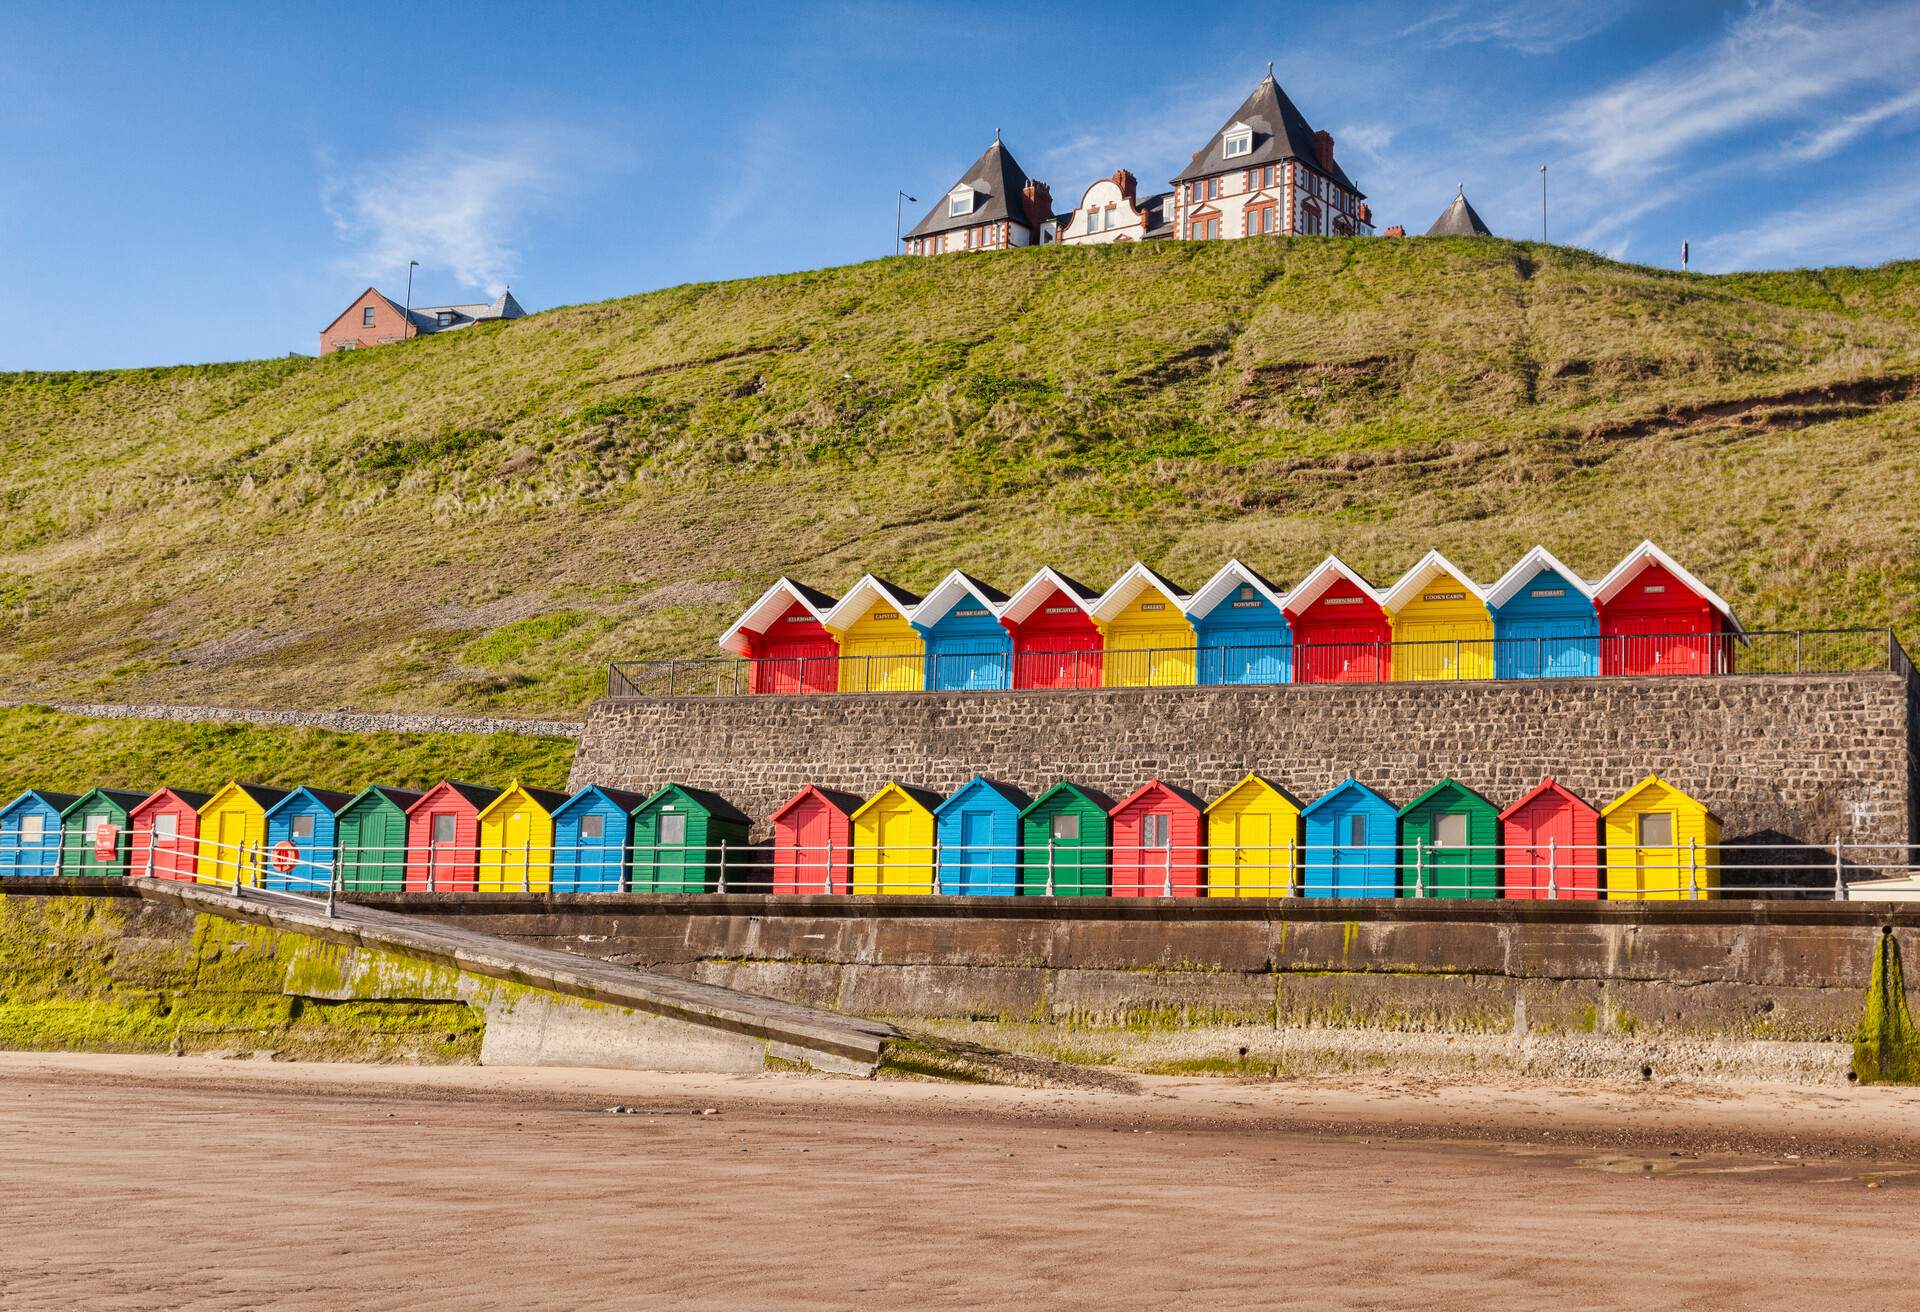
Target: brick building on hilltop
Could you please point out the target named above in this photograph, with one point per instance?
(375, 319)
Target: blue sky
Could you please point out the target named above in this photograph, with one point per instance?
(205, 182)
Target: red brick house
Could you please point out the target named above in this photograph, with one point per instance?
(375, 319)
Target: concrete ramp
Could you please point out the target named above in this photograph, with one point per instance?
(545, 1007)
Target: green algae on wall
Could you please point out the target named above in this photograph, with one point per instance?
(1887, 1049)
(105, 975)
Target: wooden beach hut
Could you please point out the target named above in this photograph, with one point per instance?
(1145, 633)
(1253, 841)
(1352, 844)
(1450, 844)
(233, 833)
(1441, 626)
(516, 840)
(880, 650)
(1240, 626)
(785, 640)
(1340, 631)
(1661, 845)
(1159, 843)
(1656, 618)
(967, 648)
(979, 832)
(1065, 848)
(302, 840)
(1550, 845)
(166, 833)
(30, 833)
(1544, 622)
(590, 838)
(895, 842)
(81, 823)
(1056, 643)
(687, 840)
(443, 837)
(371, 831)
(813, 841)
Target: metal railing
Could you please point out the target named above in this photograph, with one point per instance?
(1789, 651)
(1551, 871)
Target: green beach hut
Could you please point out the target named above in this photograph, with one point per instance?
(81, 823)
(371, 830)
(1450, 844)
(678, 834)
(1065, 843)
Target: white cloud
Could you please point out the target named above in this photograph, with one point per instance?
(1777, 62)
(1536, 28)
(1843, 131)
(1854, 226)
(456, 203)
(1166, 129)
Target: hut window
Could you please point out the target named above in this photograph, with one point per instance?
(32, 828)
(443, 831)
(1656, 829)
(166, 828)
(93, 826)
(673, 828)
(1155, 831)
(593, 826)
(366, 317)
(303, 826)
(1246, 594)
(1450, 831)
(1357, 830)
(1066, 828)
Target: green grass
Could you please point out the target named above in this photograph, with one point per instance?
(46, 749)
(479, 520)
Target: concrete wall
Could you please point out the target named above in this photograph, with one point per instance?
(340, 721)
(1802, 755)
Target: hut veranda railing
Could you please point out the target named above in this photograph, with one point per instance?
(1785, 651)
(1420, 870)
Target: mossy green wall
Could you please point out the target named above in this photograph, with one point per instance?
(123, 975)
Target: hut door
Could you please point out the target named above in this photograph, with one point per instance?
(1254, 864)
(970, 666)
(1345, 653)
(1448, 858)
(229, 832)
(810, 867)
(974, 854)
(1057, 660)
(678, 866)
(1656, 857)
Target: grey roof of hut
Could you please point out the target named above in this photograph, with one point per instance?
(1460, 220)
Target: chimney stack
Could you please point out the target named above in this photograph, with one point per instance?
(1039, 204)
(1395, 231)
(1127, 184)
(1323, 147)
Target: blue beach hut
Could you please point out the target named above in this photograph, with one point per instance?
(1351, 836)
(1544, 622)
(303, 821)
(590, 833)
(1241, 628)
(967, 647)
(978, 830)
(30, 833)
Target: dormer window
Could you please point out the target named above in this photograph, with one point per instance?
(1238, 142)
(444, 317)
(959, 201)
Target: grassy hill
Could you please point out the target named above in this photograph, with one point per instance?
(480, 520)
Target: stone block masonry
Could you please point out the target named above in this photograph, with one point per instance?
(1805, 756)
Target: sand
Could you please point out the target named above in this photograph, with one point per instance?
(132, 1182)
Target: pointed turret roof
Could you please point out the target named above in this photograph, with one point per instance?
(998, 184)
(1280, 131)
(1460, 220)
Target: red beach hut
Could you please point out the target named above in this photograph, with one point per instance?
(173, 814)
(1550, 843)
(443, 838)
(1056, 643)
(1159, 842)
(782, 634)
(1656, 618)
(813, 842)
(1340, 629)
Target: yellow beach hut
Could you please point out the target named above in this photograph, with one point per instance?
(1442, 628)
(233, 833)
(516, 840)
(1148, 637)
(894, 839)
(880, 650)
(1253, 841)
(1661, 845)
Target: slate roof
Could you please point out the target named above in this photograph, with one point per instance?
(1280, 132)
(1460, 220)
(426, 318)
(1159, 214)
(998, 182)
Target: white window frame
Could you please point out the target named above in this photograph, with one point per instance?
(1237, 145)
(1449, 821)
(166, 828)
(33, 828)
(1064, 828)
(678, 822)
(959, 202)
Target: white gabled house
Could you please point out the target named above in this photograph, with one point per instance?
(993, 206)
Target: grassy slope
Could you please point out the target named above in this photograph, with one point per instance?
(477, 521)
(47, 749)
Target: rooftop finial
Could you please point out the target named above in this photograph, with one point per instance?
(1269, 70)
(996, 136)
(1462, 189)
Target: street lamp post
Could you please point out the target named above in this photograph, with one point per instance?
(1543, 204)
(406, 329)
(899, 196)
